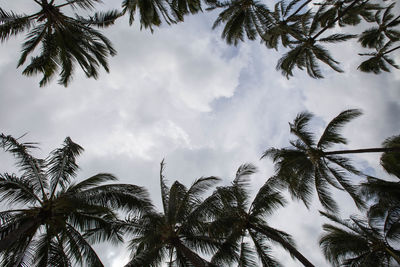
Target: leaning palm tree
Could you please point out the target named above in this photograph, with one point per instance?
(53, 221)
(307, 162)
(240, 221)
(65, 41)
(178, 234)
(355, 242)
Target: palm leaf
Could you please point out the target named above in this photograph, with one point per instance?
(331, 133)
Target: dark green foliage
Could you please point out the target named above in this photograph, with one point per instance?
(355, 242)
(386, 194)
(242, 18)
(307, 164)
(237, 220)
(56, 221)
(64, 41)
(179, 233)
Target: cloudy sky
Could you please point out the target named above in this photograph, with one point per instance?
(182, 94)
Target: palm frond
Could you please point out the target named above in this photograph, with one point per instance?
(29, 165)
(299, 127)
(331, 133)
(62, 165)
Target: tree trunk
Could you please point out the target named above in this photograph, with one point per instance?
(283, 243)
(366, 150)
(394, 255)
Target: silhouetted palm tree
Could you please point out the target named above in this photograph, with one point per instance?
(65, 41)
(153, 12)
(177, 234)
(54, 221)
(375, 36)
(283, 25)
(386, 194)
(239, 220)
(307, 163)
(355, 242)
(379, 61)
(306, 50)
(241, 18)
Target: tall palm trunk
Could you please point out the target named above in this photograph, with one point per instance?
(283, 243)
(366, 150)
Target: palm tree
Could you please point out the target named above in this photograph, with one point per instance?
(379, 61)
(177, 234)
(332, 9)
(65, 41)
(241, 17)
(307, 163)
(306, 52)
(386, 194)
(375, 36)
(355, 242)
(283, 25)
(239, 220)
(54, 221)
(153, 12)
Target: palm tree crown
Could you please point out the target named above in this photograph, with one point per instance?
(55, 221)
(307, 163)
(177, 234)
(355, 242)
(65, 41)
(239, 220)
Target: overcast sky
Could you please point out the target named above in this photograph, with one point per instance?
(184, 95)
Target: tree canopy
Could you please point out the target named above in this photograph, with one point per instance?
(299, 29)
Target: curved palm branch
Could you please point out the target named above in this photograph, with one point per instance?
(60, 221)
(64, 41)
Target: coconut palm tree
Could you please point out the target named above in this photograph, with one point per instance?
(65, 41)
(242, 18)
(306, 50)
(284, 25)
(53, 221)
(177, 234)
(355, 242)
(307, 163)
(379, 61)
(153, 12)
(362, 10)
(386, 194)
(375, 36)
(239, 221)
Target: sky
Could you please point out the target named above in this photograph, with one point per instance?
(182, 94)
